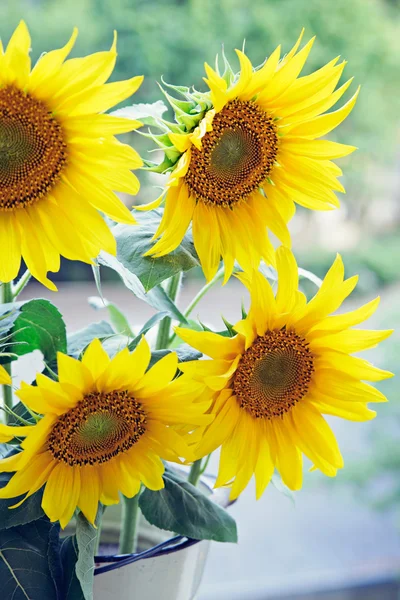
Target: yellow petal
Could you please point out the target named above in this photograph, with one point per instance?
(288, 458)
(49, 63)
(318, 149)
(72, 497)
(56, 493)
(323, 124)
(158, 377)
(74, 372)
(100, 98)
(352, 340)
(288, 280)
(206, 238)
(8, 432)
(11, 247)
(212, 344)
(340, 322)
(264, 467)
(352, 366)
(5, 378)
(95, 359)
(16, 56)
(342, 387)
(90, 493)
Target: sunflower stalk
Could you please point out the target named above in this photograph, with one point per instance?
(195, 472)
(130, 521)
(6, 298)
(163, 336)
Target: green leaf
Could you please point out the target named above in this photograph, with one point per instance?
(38, 325)
(54, 561)
(69, 556)
(29, 511)
(117, 318)
(184, 352)
(25, 552)
(182, 508)
(131, 245)
(157, 297)
(79, 340)
(146, 327)
(86, 536)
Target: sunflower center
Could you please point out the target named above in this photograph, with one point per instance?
(33, 152)
(98, 428)
(236, 156)
(273, 374)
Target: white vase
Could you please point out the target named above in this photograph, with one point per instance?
(173, 573)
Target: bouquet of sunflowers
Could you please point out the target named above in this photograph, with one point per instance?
(111, 419)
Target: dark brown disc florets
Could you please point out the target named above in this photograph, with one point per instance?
(33, 150)
(273, 374)
(236, 157)
(98, 428)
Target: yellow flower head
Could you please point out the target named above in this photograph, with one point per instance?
(106, 426)
(59, 159)
(253, 155)
(289, 362)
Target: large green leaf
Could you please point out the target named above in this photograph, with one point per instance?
(182, 508)
(26, 553)
(38, 325)
(54, 560)
(133, 243)
(157, 297)
(69, 555)
(86, 537)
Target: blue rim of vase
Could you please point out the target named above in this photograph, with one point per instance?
(174, 544)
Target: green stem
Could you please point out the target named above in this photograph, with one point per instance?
(205, 465)
(98, 534)
(130, 520)
(164, 328)
(195, 472)
(6, 298)
(21, 284)
(217, 277)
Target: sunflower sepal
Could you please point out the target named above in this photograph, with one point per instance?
(162, 168)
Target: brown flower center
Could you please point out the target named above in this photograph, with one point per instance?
(98, 428)
(236, 156)
(273, 374)
(33, 151)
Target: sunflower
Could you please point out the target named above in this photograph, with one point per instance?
(253, 154)
(289, 363)
(59, 159)
(106, 426)
(5, 379)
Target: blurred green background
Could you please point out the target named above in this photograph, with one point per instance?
(173, 38)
